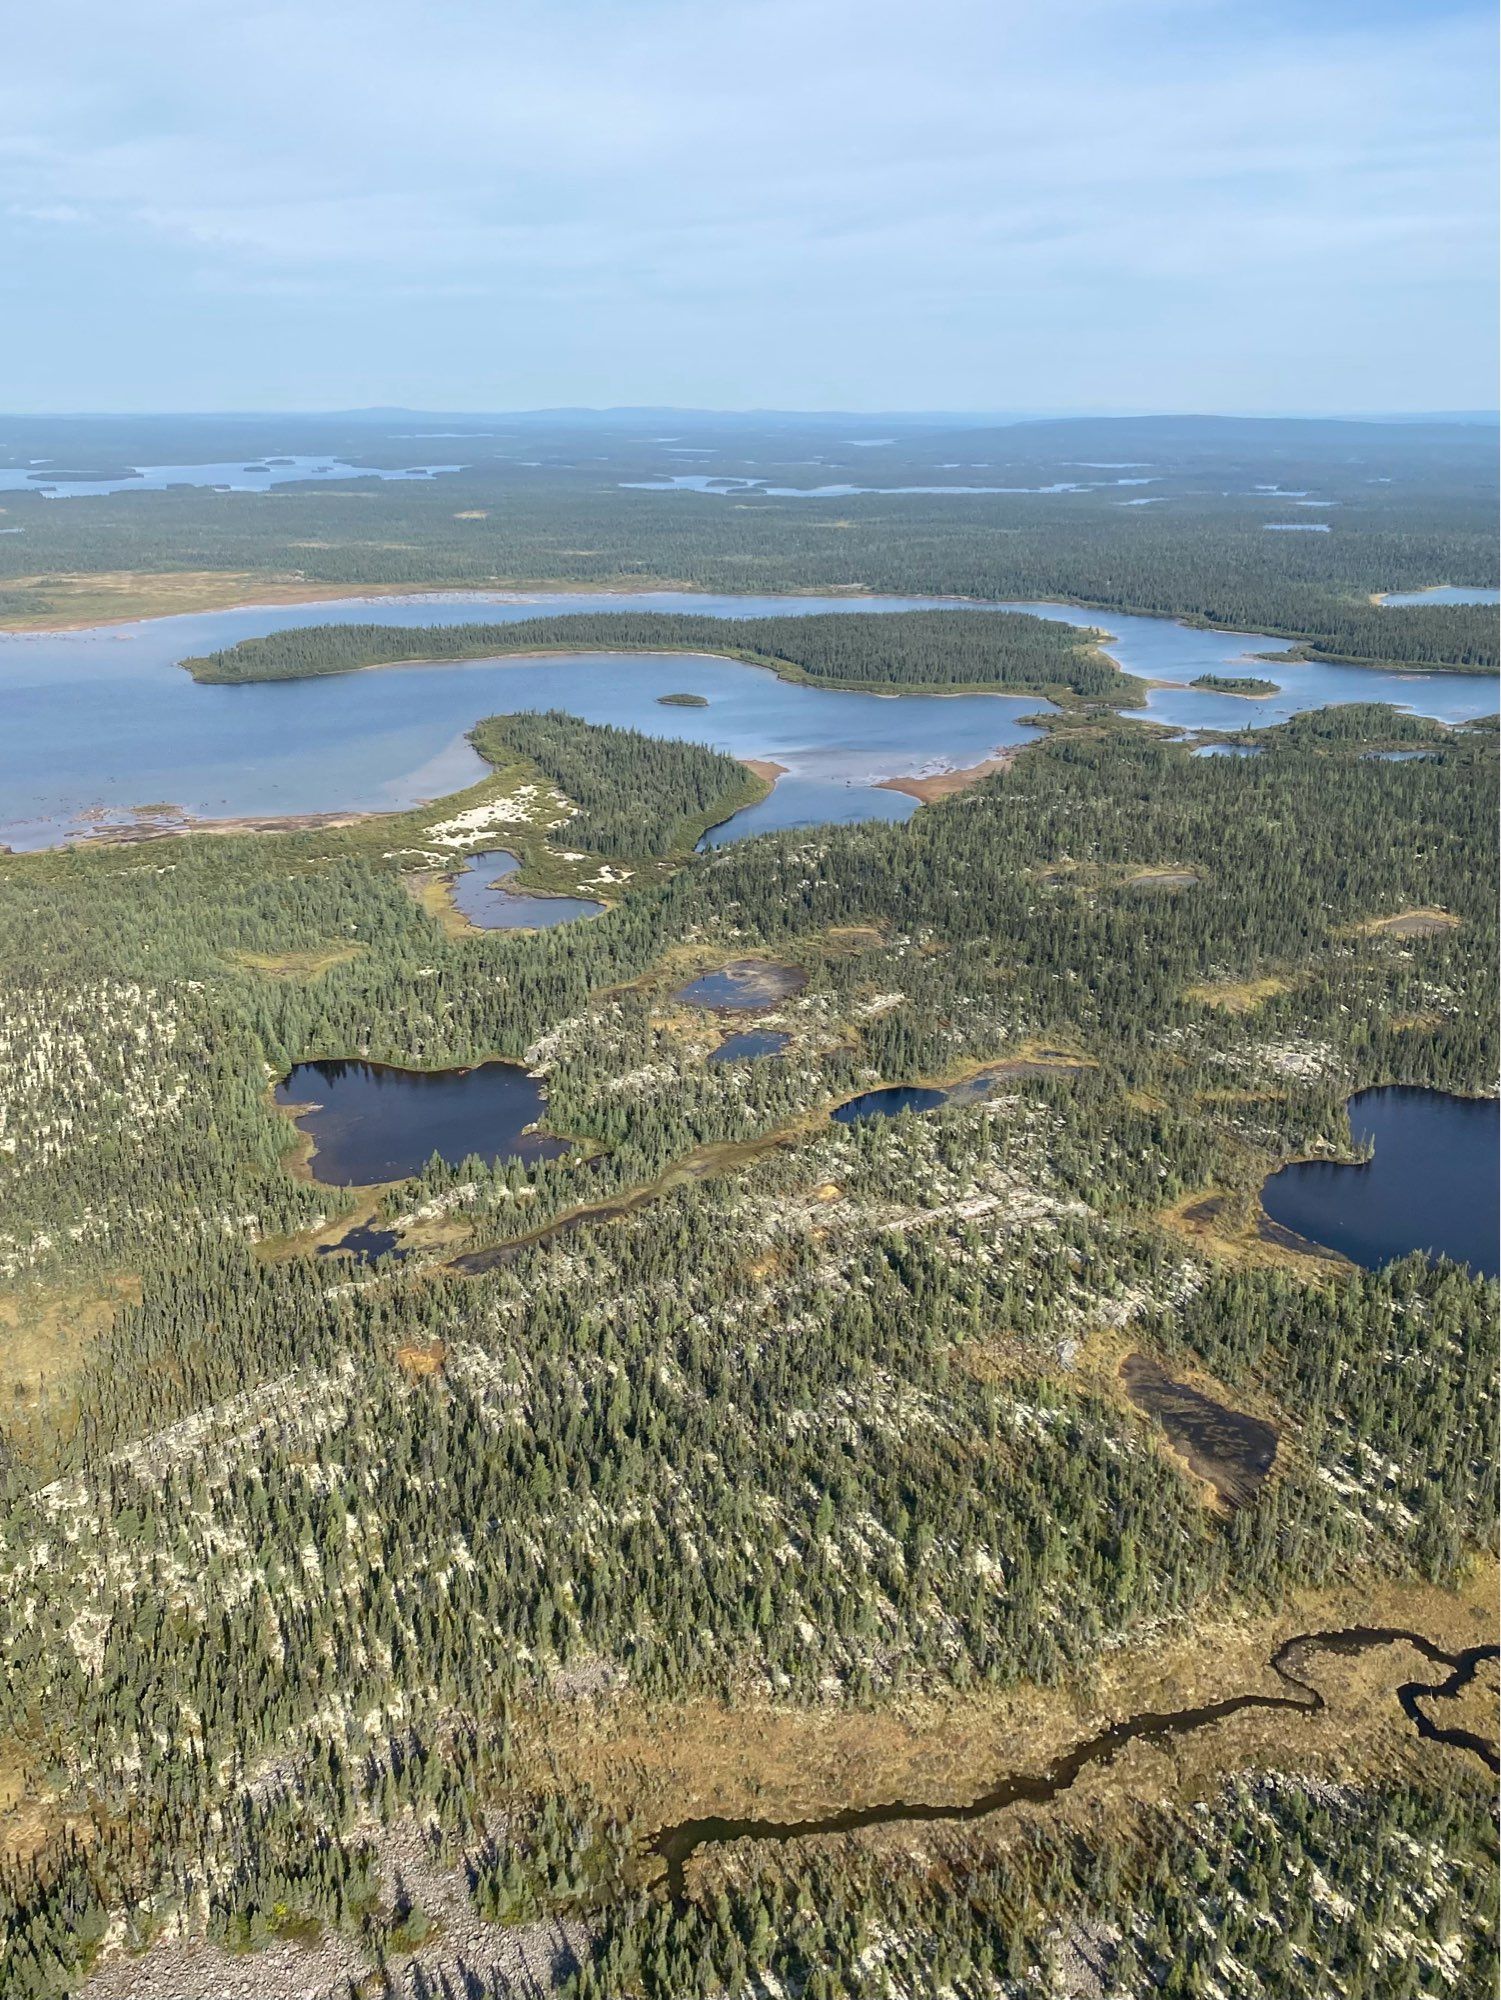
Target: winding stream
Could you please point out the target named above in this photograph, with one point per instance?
(676, 1845)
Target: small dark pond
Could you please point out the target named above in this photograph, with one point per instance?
(746, 1047)
(481, 895)
(370, 1122)
(364, 1241)
(890, 1102)
(1232, 1451)
(1432, 1183)
(744, 986)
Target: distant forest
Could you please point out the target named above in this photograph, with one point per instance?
(555, 501)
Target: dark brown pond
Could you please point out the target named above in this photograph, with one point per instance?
(677, 1844)
(1231, 1450)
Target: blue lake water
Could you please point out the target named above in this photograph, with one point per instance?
(889, 1102)
(481, 894)
(1445, 593)
(103, 720)
(1160, 649)
(235, 476)
(1432, 1183)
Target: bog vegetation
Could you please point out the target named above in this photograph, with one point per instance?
(828, 1417)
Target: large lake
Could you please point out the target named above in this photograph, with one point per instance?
(1431, 1183)
(103, 720)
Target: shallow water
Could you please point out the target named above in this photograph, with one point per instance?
(747, 1047)
(744, 986)
(1432, 1183)
(385, 739)
(480, 895)
(1232, 1450)
(102, 720)
(1161, 649)
(370, 1122)
(365, 1242)
(1444, 593)
(234, 476)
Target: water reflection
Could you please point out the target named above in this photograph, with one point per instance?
(481, 895)
(1431, 1183)
(370, 1122)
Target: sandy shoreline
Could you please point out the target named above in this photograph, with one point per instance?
(247, 593)
(944, 784)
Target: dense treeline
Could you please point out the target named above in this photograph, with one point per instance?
(548, 503)
(636, 794)
(811, 1428)
(851, 649)
(1273, 1892)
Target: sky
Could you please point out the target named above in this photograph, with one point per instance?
(1055, 206)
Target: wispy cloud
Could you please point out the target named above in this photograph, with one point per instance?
(980, 201)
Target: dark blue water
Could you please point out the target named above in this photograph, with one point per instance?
(889, 1103)
(748, 1046)
(480, 895)
(1432, 1184)
(744, 986)
(370, 1122)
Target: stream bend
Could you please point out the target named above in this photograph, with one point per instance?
(675, 1845)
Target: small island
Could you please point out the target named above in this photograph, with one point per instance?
(1248, 684)
(683, 700)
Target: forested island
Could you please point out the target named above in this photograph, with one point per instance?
(1248, 684)
(885, 652)
(565, 502)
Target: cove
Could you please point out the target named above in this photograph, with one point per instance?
(101, 719)
(1444, 593)
(676, 1845)
(480, 894)
(370, 1122)
(1431, 1184)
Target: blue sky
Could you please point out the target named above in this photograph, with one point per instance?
(901, 204)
